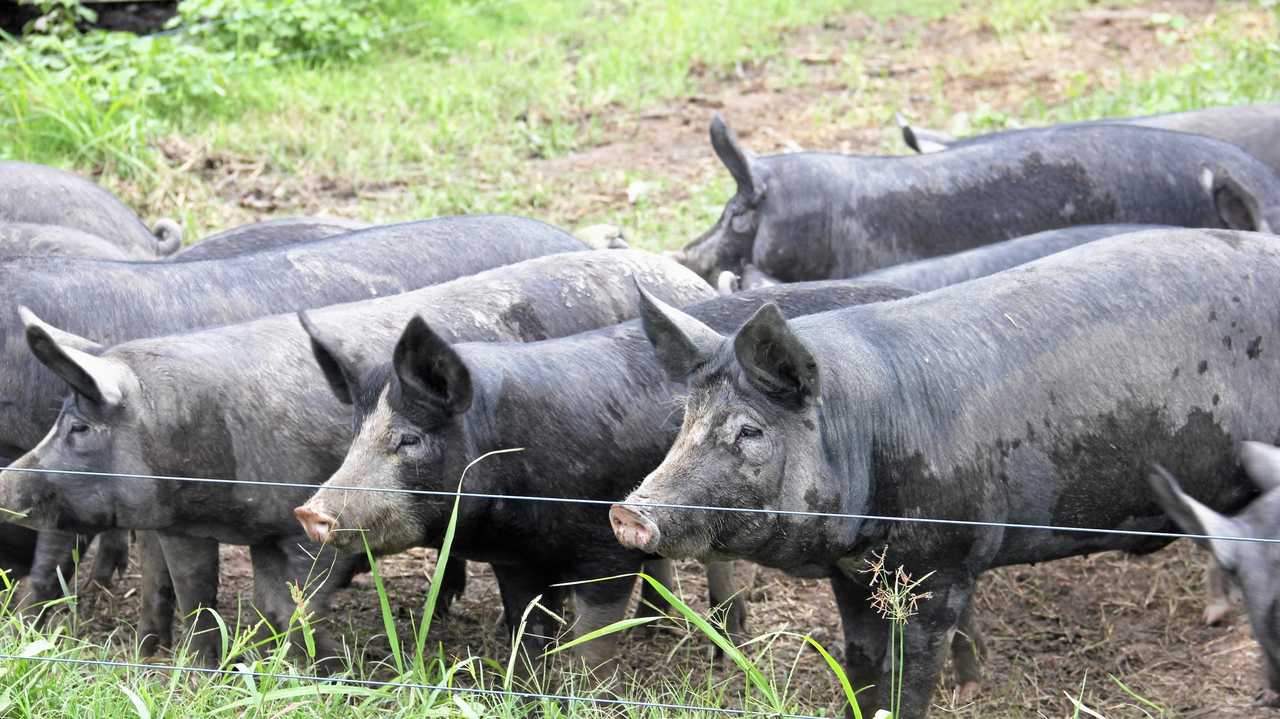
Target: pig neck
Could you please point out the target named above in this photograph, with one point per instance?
(221, 416)
(593, 414)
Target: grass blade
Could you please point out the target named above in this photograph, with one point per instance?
(838, 671)
(754, 675)
(621, 625)
(384, 606)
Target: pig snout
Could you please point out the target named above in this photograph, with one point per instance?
(318, 524)
(633, 529)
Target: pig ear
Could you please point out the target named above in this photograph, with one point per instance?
(66, 339)
(1237, 207)
(776, 362)
(1262, 464)
(681, 342)
(339, 370)
(922, 141)
(431, 370)
(1195, 518)
(99, 380)
(725, 143)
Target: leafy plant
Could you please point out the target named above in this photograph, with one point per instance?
(894, 597)
(266, 31)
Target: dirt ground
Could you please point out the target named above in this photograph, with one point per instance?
(1062, 628)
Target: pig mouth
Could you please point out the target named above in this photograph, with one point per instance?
(701, 255)
(636, 527)
(321, 526)
(324, 527)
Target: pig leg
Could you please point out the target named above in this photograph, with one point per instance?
(866, 637)
(598, 605)
(723, 594)
(651, 603)
(519, 585)
(1219, 591)
(317, 572)
(112, 557)
(966, 656)
(193, 567)
(927, 639)
(927, 633)
(452, 584)
(55, 561)
(155, 626)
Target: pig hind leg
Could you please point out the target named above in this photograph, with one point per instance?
(193, 568)
(155, 626)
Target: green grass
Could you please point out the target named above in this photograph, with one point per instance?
(59, 675)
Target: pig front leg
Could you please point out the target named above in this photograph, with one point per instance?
(967, 652)
(866, 638)
(54, 562)
(723, 593)
(317, 571)
(193, 568)
(652, 603)
(155, 626)
(452, 584)
(519, 585)
(598, 605)
(112, 558)
(926, 641)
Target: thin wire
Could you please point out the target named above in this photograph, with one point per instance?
(407, 685)
(660, 505)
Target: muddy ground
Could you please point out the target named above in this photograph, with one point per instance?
(1070, 627)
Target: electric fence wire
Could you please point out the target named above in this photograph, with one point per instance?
(658, 505)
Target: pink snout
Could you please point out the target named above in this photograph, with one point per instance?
(633, 529)
(318, 524)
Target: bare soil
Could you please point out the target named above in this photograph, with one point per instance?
(1077, 627)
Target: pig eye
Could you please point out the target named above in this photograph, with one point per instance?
(77, 428)
(408, 440)
(748, 432)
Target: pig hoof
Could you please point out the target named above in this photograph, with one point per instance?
(318, 524)
(966, 693)
(1215, 613)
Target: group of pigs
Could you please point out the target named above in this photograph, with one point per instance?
(930, 356)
